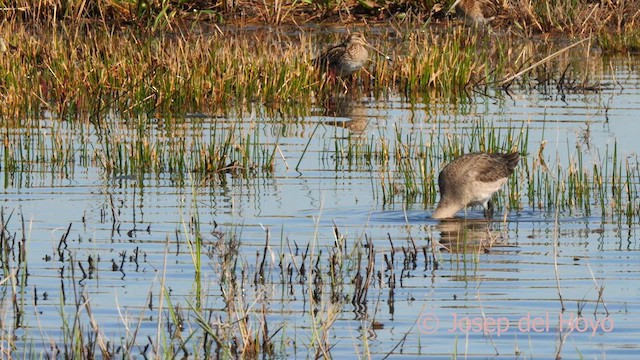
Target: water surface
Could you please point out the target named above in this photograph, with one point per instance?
(477, 290)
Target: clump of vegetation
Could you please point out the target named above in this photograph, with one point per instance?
(87, 73)
(573, 17)
(628, 42)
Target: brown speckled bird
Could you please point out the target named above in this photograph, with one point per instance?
(477, 12)
(472, 179)
(345, 58)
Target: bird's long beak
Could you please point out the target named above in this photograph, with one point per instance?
(453, 6)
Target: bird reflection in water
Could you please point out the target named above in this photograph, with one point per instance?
(461, 235)
(344, 112)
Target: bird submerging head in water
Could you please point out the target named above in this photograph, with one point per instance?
(472, 179)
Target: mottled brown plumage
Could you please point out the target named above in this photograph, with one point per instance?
(477, 12)
(345, 58)
(471, 180)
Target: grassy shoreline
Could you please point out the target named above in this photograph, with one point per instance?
(159, 57)
(81, 71)
(577, 16)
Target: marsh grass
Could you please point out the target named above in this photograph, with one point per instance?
(615, 42)
(140, 147)
(79, 72)
(571, 17)
(134, 73)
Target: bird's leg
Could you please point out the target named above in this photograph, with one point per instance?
(344, 85)
(490, 237)
(368, 73)
(328, 79)
(488, 210)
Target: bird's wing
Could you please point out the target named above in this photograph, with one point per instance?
(491, 168)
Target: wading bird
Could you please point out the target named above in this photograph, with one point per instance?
(347, 57)
(476, 12)
(472, 179)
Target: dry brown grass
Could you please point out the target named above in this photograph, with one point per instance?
(531, 16)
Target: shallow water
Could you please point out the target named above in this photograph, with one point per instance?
(478, 290)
